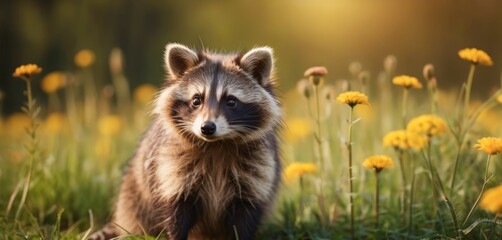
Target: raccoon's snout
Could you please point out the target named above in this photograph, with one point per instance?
(208, 128)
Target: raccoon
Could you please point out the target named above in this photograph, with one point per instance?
(208, 167)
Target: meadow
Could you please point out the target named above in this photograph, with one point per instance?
(378, 156)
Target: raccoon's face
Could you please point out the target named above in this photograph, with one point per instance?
(219, 97)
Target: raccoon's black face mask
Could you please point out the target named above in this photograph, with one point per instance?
(219, 97)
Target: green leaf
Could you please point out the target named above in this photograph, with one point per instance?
(36, 112)
(56, 231)
(474, 225)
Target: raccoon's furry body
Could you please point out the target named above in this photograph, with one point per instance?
(208, 167)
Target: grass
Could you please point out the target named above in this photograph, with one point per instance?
(85, 136)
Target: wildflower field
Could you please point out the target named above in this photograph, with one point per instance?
(379, 156)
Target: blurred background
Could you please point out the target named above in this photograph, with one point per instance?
(303, 33)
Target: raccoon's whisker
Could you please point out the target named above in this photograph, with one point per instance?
(247, 129)
(239, 121)
(245, 120)
(252, 118)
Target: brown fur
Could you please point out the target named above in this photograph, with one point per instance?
(180, 183)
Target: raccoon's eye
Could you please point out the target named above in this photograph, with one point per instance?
(231, 102)
(196, 102)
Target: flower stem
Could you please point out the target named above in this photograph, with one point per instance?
(300, 199)
(351, 189)
(433, 181)
(377, 197)
(453, 215)
(450, 207)
(457, 158)
(31, 147)
(404, 106)
(318, 123)
(318, 138)
(482, 190)
(432, 99)
(468, 91)
(400, 154)
(412, 191)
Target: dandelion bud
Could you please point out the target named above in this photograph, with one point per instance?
(116, 61)
(355, 68)
(303, 87)
(428, 71)
(315, 74)
(390, 64)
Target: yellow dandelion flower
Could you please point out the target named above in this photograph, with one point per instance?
(144, 93)
(430, 125)
(499, 98)
(492, 200)
(475, 56)
(352, 98)
(402, 139)
(406, 81)
(55, 123)
(489, 145)
(53, 82)
(16, 124)
(109, 125)
(84, 58)
(297, 128)
(415, 140)
(296, 170)
(27, 70)
(378, 162)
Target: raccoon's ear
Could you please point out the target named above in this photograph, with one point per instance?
(178, 59)
(259, 63)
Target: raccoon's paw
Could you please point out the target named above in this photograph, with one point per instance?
(108, 232)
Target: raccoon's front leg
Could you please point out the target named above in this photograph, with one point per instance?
(243, 219)
(182, 216)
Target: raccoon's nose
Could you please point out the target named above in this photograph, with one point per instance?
(208, 128)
